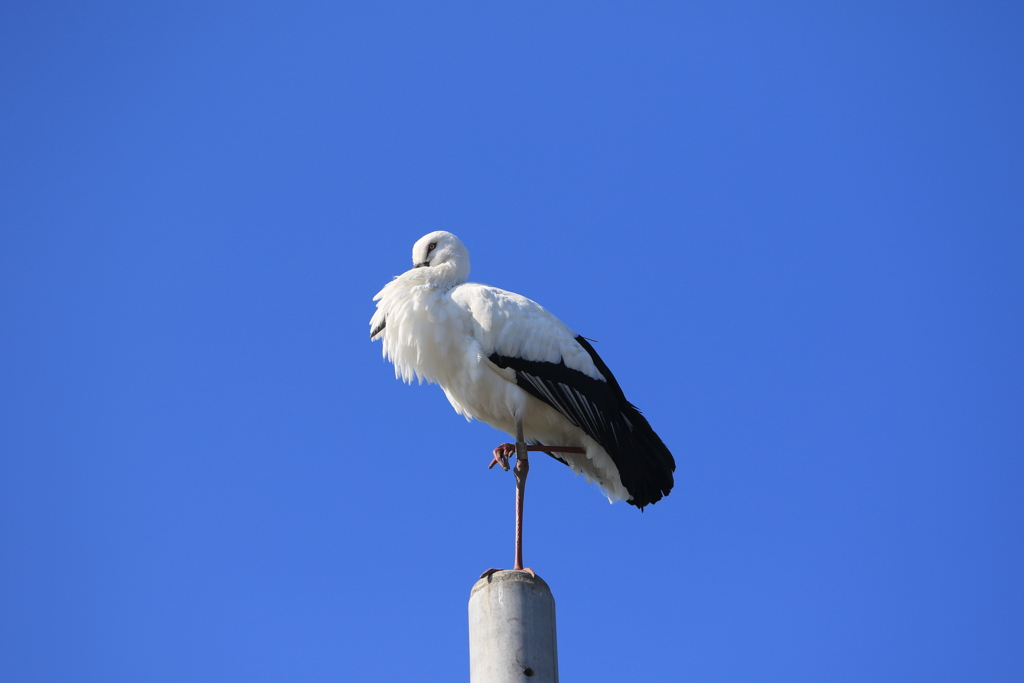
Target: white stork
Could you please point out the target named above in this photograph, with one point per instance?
(505, 360)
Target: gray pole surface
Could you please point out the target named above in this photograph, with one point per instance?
(512, 630)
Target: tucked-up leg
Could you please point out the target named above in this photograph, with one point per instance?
(506, 450)
(501, 455)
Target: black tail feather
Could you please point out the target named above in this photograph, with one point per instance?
(645, 464)
(600, 409)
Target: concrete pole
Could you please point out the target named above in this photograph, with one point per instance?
(512, 630)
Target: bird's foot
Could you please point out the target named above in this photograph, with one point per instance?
(489, 572)
(501, 455)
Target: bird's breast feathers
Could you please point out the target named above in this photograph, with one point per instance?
(421, 328)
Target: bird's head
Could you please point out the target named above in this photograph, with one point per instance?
(439, 248)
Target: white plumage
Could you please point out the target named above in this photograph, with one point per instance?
(501, 357)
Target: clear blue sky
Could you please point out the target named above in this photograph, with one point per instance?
(797, 232)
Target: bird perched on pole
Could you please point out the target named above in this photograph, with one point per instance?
(505, 360)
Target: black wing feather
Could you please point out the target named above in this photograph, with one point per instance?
(601, 410)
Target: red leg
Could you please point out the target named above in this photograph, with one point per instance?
(522, 469)
(501, 455)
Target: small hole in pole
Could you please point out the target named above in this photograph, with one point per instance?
(527, 671)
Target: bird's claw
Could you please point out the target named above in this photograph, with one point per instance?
(501, 455)
(490, 572)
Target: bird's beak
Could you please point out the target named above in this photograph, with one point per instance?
(422, 265)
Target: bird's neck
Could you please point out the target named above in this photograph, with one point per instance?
(448, 274)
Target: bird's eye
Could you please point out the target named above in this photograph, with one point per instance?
(430, 247)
